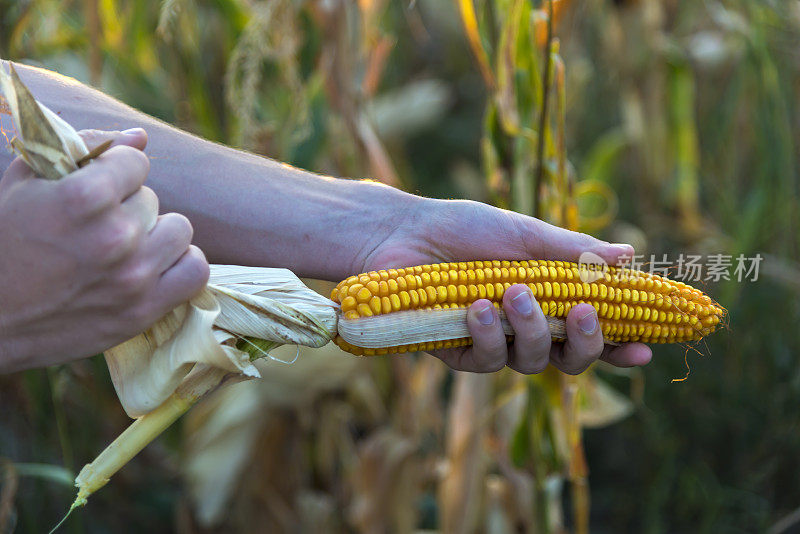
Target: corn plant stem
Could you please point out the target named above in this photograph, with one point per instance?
(539, 176)
(138, 435)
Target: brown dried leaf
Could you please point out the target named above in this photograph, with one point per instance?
(461, 490)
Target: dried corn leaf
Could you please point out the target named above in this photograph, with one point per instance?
(461, 490)
(601, 404)
(221, 432)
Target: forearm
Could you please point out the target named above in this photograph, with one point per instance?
(245, 209)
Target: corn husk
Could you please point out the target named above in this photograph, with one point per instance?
(420, 326)
(239, 302)
(271, 304)
(50, 146)
(188, 348)
(148, 368)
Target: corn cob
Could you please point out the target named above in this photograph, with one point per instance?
(631, 305)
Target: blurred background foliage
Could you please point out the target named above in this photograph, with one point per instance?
(680, 123)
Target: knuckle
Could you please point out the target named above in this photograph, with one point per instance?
(92, 136)
(574, 370)
(150, 199)
(493, 366)
(87, 196)
(574, 365)
(539, 367)
(532, 368)
(127, 157)
(135, 279)
(493, 357)
(536, 337)
(596, 350)
(182, 229)
(131, 157)
(139, 317)
(147, 192)
(590, 349)
(119, 239)
(197, 270)
(142, 160)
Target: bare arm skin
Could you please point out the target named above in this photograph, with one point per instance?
(250, 210)
(245, 209)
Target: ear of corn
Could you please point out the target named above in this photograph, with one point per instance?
(381, 308)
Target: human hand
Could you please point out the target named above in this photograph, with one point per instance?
(86, 261)
(443, 231)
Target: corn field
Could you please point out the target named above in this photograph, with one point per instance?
(672, 125)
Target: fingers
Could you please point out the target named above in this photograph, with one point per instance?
(142, 207)
(134, 137)
(107, 181)
(584, 343)
(488, 352)
(532, 349)
(181, 281)
(530, 352)
(489, 349)
(168, 241)
(628, 355)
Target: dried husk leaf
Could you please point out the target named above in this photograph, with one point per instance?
(50, 146)
(460, 491)
(220, 441)
(420, 326)
(262, 303)
(148, 368)
(271, 304)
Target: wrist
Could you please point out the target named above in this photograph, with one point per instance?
(387, 219)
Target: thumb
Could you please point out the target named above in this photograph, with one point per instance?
(134, 137)
(17, 171)
(553, 243)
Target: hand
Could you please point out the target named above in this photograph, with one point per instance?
(86, 261)
(443, 231)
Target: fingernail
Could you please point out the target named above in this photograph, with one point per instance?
(133, 131)
(485, 316)
(622, 247)
(588, 323)
(523, 303)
